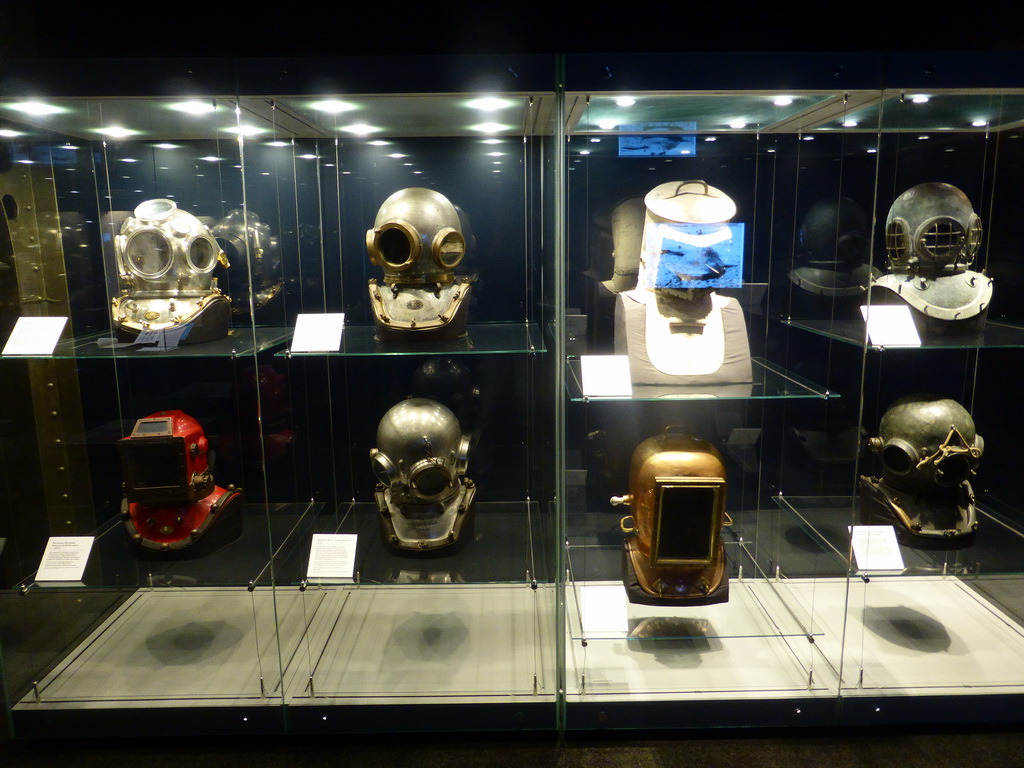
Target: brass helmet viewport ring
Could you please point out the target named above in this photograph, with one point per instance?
(394, 244)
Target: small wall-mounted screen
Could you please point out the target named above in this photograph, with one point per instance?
(682, 256)
(670, 141)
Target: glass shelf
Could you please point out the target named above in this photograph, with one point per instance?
(485, 338)
(239, 342)
(770, 383)
(504, 545)
(998, 546)
(740, 617)
(500, 547)
(995, 336)
(114, 562)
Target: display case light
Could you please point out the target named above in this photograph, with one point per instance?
(332, 106)
(116, 132)
(244, 130)
(489, 104)
(360, 129)
(490, 127)
(36, 108)
(195, 107)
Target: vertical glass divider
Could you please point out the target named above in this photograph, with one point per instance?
(558, 361)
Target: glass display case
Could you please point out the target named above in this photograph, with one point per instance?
(344, 535)
(510, 392)
(728, 225)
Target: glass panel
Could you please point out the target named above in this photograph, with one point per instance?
(783, 418)
(427, 436)
(944, 622)
(175, 607)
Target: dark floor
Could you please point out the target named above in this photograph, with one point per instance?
(892, 749)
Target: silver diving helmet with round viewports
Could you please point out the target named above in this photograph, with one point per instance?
(254, 251)
(932, 236)
(417, 239)
(165, 261)
(423, 497)
(929, 450)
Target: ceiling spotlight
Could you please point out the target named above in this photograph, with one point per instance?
(920, 98)
(490, 127)
(738, 123)
(37, 108)
(116, 132)
(625, 101)
(244, 130)
(782, 101)
(489, 104)
(332, 106)
(195, 107)
(360, 129)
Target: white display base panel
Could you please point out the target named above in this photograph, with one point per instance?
(754, 646)
(920, 634)
(196, 645)
(397, 644)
